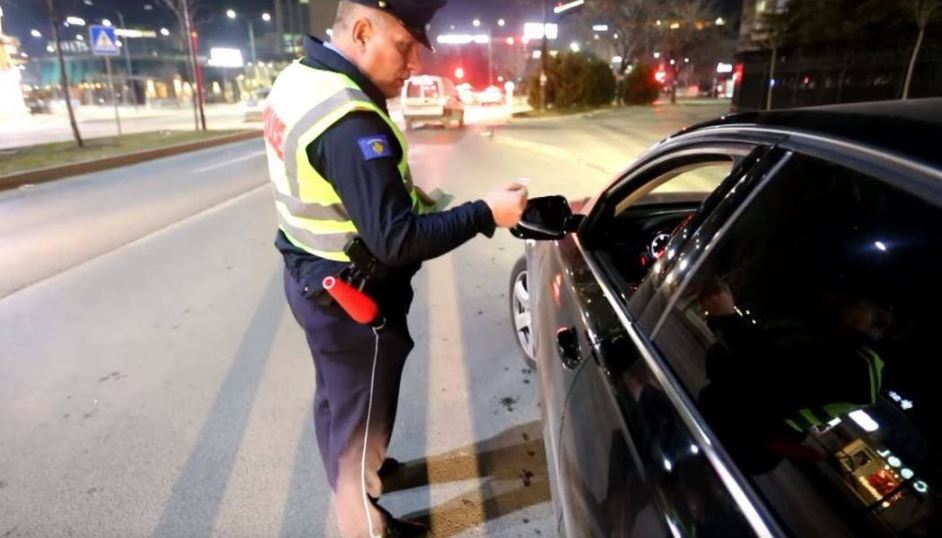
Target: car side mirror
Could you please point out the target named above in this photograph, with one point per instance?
(547, 218)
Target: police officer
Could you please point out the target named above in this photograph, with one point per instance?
(339, 167)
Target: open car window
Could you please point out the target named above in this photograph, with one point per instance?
(694, 178)
(641, 214)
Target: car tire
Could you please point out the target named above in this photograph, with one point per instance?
(520, 313)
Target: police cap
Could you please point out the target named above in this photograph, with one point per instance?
(415, 15)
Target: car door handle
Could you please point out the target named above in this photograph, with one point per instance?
(567, 345)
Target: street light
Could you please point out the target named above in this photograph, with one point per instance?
(233, 15)
(266, 17)
(35, 33)
(164, 32)
(76, 21)
(501, 23)
(105, 22)
(476, 23)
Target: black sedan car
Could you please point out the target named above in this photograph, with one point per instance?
(739, 336)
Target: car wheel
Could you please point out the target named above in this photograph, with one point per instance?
(520, 317)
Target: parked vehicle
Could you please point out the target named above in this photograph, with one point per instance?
(738, 336)
(427, 98)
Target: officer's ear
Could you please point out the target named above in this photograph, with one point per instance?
(363, 30)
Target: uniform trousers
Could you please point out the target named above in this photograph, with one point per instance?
(343, 353)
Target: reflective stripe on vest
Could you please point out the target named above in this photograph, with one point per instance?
(808, 418)
(303, 104)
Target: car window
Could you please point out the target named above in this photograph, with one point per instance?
(650, 300)
(804, 335)
(635, 227)
(700, 177)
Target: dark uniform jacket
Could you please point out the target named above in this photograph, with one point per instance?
(376, 199)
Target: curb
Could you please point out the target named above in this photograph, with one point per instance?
(43, 175)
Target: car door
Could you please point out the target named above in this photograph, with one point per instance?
(628, 464)
(802, 335)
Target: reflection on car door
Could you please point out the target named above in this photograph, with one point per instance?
(550, 308)
(605, 491)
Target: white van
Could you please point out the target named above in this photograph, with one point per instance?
(428, 98)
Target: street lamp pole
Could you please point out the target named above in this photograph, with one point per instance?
(127, 60)
(231, 13)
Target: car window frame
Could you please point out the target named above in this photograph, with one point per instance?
(695, 142)
(650, 169)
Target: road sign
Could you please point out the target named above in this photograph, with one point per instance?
(104, 41)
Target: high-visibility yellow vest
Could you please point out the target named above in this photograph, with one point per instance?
(304, 102)
(807, 418)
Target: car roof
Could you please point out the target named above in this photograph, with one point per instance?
(912, 128)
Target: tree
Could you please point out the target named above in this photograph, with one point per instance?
(633, 22)
(183, 11)
(639, 86)
(845, 27)
(55, 16)
(777, 35)
(688, 26)
(923, 11)
(575, 80)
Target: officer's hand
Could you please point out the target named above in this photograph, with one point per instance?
(507, 204)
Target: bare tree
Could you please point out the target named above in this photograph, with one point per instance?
(55, 17)
(633, 22)
(776, 35)
(924, 11)
(183, 11)
(687, 26)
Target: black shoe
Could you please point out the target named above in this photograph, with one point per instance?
(389, 468)
(398, 528)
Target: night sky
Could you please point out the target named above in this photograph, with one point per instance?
(22, 15)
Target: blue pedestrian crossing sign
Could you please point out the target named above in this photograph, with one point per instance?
(104, 42)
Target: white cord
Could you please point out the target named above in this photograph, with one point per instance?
(366, 437)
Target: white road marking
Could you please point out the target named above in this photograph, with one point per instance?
(252, 155)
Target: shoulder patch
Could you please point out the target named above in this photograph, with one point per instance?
(375, 147)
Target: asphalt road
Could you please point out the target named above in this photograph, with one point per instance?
(155, 384)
